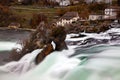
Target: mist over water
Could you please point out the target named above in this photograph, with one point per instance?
(94, 57)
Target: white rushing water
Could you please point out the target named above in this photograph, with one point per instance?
(99, 62)
(7, 46)
(55, 66)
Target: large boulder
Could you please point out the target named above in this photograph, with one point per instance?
(59, 34)
(46, 51)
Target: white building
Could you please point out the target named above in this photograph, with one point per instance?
(68, 18)
(64, 3)
(111, 12)
(95, 17)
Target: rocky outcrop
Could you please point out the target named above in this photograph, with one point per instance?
(59, 34)
(41, 39)
(77, 28)
(46, 51)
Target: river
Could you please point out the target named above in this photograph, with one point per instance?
(94, 57)
(8, 40)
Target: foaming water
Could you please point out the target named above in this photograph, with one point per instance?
(102, 66)
(55, 66)
(7, 46)
(23, 65)
(96, 62)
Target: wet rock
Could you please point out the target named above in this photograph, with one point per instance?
(77, 28)
(115, 37)
(97, 29)
(73, 42)
(88, 41)
(14, 55)
(58, 35)
(115, 25)
(37, 40)
(44, 35)
(105, 41)
(46, 51)
(93, 41)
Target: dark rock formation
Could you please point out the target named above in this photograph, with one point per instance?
(78, 27)
(59, 35)
(37, 40)
(46, 51)
(92, 41)
(43, 36)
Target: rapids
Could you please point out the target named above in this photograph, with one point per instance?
(7, 46)
(94, 57)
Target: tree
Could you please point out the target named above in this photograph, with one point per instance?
(36, 19)
(29, 2)
(96, 7)
(118, 1)
(4, 14)
(5, 2)
(7, 17)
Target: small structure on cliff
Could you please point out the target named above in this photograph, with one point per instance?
(68, 18)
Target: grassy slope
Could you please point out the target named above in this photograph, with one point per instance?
(26, 12)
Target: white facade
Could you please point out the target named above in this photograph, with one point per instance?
(63, 22)
(64, 3)
(95, 17)
(110, 12)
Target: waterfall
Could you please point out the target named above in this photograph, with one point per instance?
(94, 57)
(54, 66)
